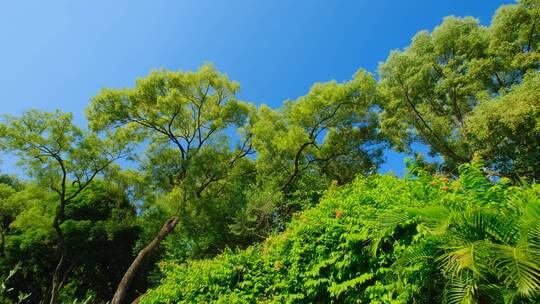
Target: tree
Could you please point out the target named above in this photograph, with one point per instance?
(330, 134)
(8, 186)
(58, 154)
(30, 240)
(184, 117)
(100, 227)
(431, 87)
(333, 128)
(514, 46)
(6, 214)
(508, 127)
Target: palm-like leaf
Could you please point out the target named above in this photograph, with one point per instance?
(460, 291)
(533, 238)
(530, 225)
(385, 224)
(416, 254)
(454, 262)
(517, 266)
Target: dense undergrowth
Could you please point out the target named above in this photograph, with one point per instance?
(382, 239)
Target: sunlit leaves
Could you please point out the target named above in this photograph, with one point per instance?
(432, 246)
(447, 90)
(332, 130)
(50, 147)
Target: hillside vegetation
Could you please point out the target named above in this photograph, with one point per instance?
(382, 239)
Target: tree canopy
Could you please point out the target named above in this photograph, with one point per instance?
(431, 87)
(180, 192)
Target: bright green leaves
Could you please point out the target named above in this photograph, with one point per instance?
(433, 245)
(53, 149)
(184, 116)
(431, 88)
(509, 127)
(194, 167)
(332, 127)
(189, 106)
(37, 137)
(159, 94)
(330, 134)
(515, 42)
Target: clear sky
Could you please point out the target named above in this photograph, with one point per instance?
(58, 54)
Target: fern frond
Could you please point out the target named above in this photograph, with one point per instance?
(460, 291)
(461, 258)
(517, 267)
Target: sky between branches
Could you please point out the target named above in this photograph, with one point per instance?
(58, 54)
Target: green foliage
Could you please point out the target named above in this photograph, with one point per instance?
(428, 87)
(380, 239)
(332, 130)
(184, 116)
(4, 290)
(329, 135)
(509, 127)
(193, 169)
(56, 153)
(50, 147)
(100, 229)
(282, 205)
(457, 74)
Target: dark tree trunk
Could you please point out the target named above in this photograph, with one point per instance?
(129, 275)
(57, 280)
(3, 244)
(137, 300)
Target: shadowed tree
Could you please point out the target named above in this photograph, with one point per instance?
(59, 155)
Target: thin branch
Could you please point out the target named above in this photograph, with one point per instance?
(425, 124)
(531, 34)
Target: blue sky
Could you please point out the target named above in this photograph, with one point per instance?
(58, 54)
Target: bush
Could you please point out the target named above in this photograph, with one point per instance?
(381, 239)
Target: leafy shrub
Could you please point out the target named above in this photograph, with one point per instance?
(381, 239)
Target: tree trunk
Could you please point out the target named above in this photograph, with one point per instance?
(129, 275)
(137, 299)
(3, 243)
(57, 278)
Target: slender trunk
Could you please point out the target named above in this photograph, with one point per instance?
(58, 278)
(138, 299)
(62, 271)
(129, 275)
(3, 242)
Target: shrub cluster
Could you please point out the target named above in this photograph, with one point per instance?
(382, 239)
